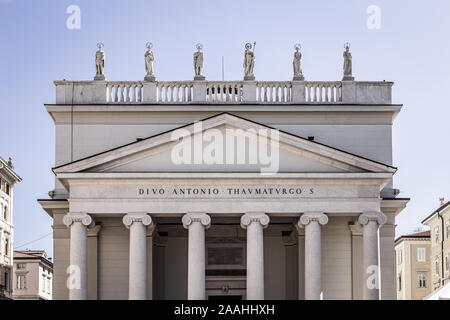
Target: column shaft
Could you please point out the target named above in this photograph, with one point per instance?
(255, 262)
(77, 281)
(138, 262)
(196, 262)
(137, 274)
(196, 224)
(255, 222)
(371, 268)
(313, 253)
(78, 260)
(370, 261)
(313, 259)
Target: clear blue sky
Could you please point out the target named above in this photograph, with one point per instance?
(412, 49)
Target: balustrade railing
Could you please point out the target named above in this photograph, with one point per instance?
(323, 92)
(274, 92)
(174, 91)
(223, 92)
(124, 92)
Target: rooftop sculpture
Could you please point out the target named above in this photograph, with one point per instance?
(248, 65)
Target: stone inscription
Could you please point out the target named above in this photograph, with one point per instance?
(226, 192)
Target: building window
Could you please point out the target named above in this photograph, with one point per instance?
(7, 247)
(436, 235)
(447, 264)
(447, 229)
(399, 286)
(421, 279)
(21, 266)
(436, 267)
(7, 189)
(5, 213)
(421, 254)
(21, 282)
(399, 256)
(6, 281)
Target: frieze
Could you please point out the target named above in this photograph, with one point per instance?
(226, 192)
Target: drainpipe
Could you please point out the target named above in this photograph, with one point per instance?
(442, 248)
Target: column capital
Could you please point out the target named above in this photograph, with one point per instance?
(355, 228)
(191, 217)
(130, 218)
(377, 216)
(93, 232)
(300, 229)
(82, 217)
(307, 217)
(260, 217)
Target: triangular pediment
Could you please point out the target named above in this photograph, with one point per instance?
(211, 138)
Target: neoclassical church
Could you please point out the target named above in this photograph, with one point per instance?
(223, 189)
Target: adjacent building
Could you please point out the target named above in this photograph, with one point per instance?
(137, 219)
(8, 178)
(413, 266)
(33, 275)
(439, 224)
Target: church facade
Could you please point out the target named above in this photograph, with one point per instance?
(223, 189)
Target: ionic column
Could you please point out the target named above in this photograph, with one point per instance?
(255, 222)
(371, 269)
(313, 253)
(196, 224)
(137, 223)
(77, 270)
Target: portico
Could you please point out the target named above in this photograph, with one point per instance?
(312, 278)
(108, 187)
